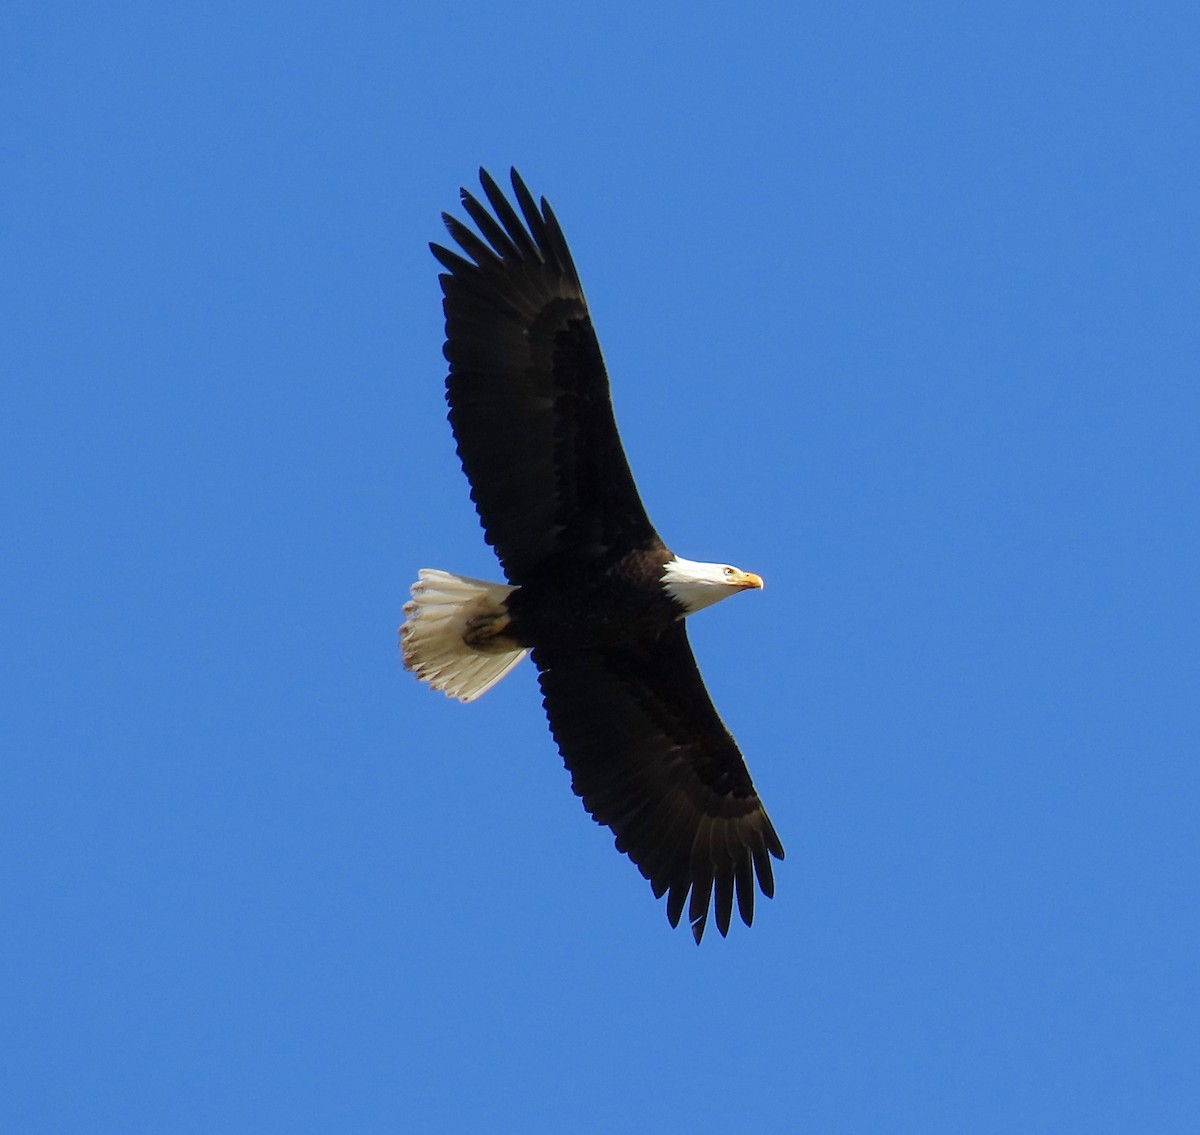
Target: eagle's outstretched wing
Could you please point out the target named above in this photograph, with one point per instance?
(529, 395)
(651, 758)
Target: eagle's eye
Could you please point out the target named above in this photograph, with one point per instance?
(728, 572)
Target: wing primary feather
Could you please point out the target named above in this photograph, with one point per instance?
(702, 877)
(457, 266)
(472, 245)
(723, 881)
(680, 885)
(744, 879)
(774, 846)
(762, 867)
(508, 218)
(558, 242)
(491, 229)
(723, 904)
(529, 210)
(699, 921)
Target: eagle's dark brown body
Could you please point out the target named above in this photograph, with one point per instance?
(582, 607)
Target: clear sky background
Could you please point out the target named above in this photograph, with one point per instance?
(902, 309)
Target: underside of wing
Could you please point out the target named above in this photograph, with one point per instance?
(529, 394)
(653, 761)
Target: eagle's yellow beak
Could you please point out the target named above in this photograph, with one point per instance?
(746, 579)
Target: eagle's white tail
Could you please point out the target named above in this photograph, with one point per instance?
(453, 637)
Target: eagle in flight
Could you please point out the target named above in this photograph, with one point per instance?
(592, 591)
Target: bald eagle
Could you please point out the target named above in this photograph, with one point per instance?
(592, 591)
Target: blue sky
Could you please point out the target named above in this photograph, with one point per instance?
(900, 303)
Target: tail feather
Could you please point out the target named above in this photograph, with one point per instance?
(433, 642)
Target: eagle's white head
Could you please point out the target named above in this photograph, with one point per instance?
(696, 585)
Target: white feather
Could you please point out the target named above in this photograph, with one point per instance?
(696, 585)
(431, 638)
